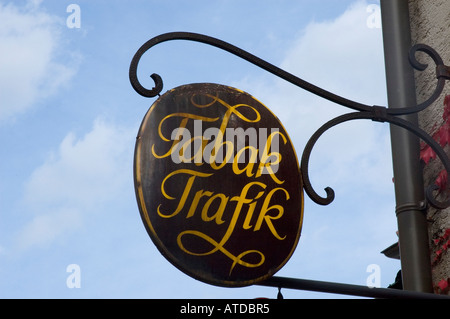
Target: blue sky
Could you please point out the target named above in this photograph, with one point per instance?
(69, 118)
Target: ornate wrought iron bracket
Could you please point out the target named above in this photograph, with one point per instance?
(363, 111)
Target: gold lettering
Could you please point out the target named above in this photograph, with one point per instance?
(251, 161)
(219, 246)
(186, 190)
(219, 213)
(186, 147)
(236, 259)
(219, 149)
(230, 109)
(219, 144)
(241, 200)
(212, 207)
(267, 218)
(175, 142)
(250, 211)
(266, 156)
(196, 200)
(185, 117)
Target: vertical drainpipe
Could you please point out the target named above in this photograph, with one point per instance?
(409, 188)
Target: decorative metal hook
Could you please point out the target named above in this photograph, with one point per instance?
(374, 113)
(421, 67)
(237, 52)
(382, 114)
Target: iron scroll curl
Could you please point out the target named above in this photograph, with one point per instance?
(363, 111)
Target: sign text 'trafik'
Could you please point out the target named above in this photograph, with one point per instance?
(218, 184)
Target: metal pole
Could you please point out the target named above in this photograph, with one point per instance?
(346, 289)
(409, 189)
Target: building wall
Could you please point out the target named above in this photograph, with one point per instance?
(430, 24)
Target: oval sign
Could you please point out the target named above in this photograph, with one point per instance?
(218, 184)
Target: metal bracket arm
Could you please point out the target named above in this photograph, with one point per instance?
(374, 113)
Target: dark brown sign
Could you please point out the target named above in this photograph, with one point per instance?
(218, 184)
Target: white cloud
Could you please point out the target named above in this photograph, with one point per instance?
(43, 229)
(29, 70)
(345, 57)
(338, 54)
(76, 181)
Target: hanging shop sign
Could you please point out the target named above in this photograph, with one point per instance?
(218, 184)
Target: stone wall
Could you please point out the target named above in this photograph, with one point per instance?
(430, 24)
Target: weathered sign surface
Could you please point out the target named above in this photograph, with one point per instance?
(218, 184)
